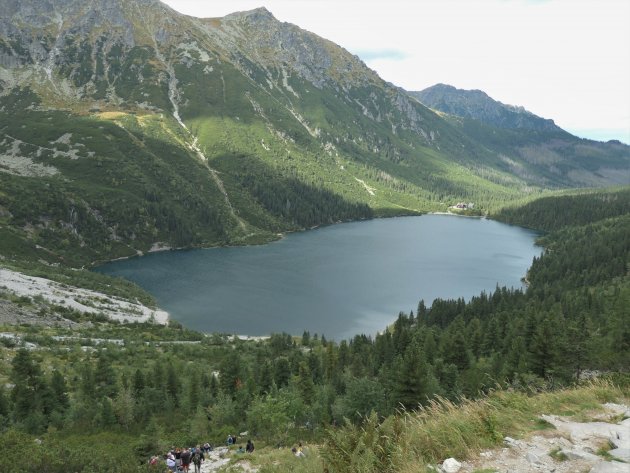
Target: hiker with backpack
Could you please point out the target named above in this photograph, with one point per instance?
(197, 458)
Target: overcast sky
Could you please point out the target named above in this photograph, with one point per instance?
(568, 60)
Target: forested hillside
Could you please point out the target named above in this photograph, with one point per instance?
(99, 382)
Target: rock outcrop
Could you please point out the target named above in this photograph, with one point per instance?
(570, 447)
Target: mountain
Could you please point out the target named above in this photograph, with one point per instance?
(529, 144)
(126, 126)
(477, 105)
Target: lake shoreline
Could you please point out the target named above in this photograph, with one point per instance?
(341, 280)
(266, 239)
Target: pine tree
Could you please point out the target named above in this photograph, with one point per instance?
(29, 386)
(138, 383)
(194, 389)
(265, 378)
(124, 407)
(105, 377)
(172, 384)
(4, 404)
(107, 418)
(59, 391)
(543, 349)
(330, 362)
(305, 383)
(230, 374)
(413, 383)
(281, 372)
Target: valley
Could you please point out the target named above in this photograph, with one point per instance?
(127, 128)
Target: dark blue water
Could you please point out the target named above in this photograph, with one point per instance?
(337, 281)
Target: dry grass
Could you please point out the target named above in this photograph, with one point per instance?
(411, 440)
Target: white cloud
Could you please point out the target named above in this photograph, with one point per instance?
(563, 59)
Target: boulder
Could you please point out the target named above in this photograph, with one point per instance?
(610, 467)
(451, 465)
(622, 454)
(533, 458)
(576, 454)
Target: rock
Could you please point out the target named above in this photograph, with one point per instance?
(532, 458)
(451, 465)
(487, 454)
(576, 454)
(562, 442)
(621, 453)
(610, 467)
(620, 437)
(510, 442)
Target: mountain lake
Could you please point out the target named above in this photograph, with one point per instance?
(339, 281)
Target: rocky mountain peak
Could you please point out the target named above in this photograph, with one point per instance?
(257, 15)
(478, 105)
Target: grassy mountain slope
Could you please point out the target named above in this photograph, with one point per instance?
(534, 148)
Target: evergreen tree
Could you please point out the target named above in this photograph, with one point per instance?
(105, 376)
(306, 339)
(106, 417)
(516, 359)
(194, 389)
(124, 407)
(454, 347)
(578, 348)
(87, 384)
(543, 349)
(330, 362)
(413, 383)
(172, 384)
(4, 404)
(59, 391)
(281, 372)
(305, 383)
(230, 374)
(29, 386)
(265, 378)
(138, 384)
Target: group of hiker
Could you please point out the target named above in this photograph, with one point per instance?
(180, 459)
(231, 440)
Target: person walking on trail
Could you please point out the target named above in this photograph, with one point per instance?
(249, 448)
(197, 458)
(186, 460)
(170, 463)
